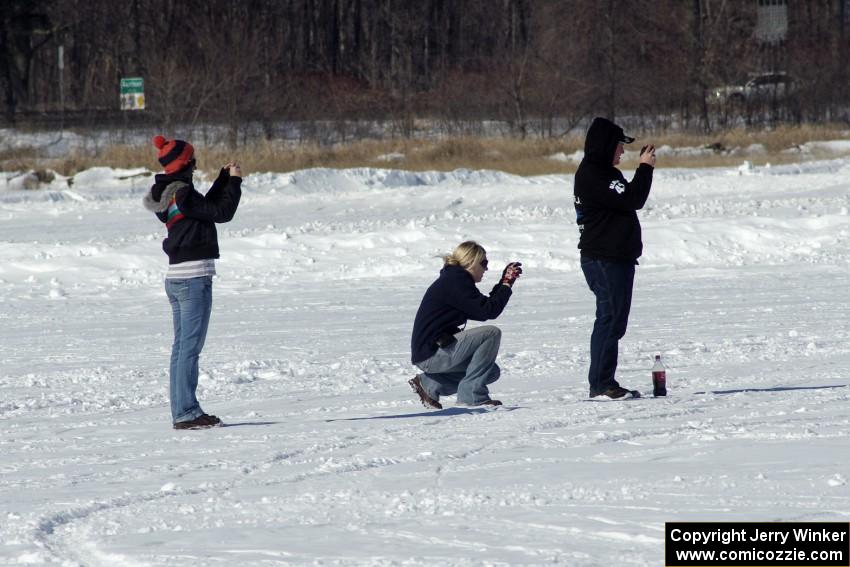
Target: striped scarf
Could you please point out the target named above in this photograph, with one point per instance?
(174, 214)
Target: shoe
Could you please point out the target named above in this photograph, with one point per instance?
(617, 392)
(426, 400)
(201, 422)
(490, 403)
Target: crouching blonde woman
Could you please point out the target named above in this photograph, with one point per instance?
(453, 360)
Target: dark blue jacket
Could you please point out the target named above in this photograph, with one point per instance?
(189, 216)
(448, 304)
(605, 202)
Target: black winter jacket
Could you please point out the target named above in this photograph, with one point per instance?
(189, 216)
(448, 303)
(605, 202)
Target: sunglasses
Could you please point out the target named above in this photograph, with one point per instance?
(484, 263)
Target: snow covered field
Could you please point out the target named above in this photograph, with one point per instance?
(329, 460)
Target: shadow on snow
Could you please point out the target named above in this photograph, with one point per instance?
(777, 389)
(448, 412)
(244, 423)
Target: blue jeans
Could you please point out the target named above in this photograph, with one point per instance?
(191, 305)
(465, 367)
(611, 283)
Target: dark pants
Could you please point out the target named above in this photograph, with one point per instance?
(611, 283)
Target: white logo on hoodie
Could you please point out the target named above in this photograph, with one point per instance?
(617, 186)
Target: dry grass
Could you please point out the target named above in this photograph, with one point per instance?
(775, 140)
(521, 157)
(18, 159)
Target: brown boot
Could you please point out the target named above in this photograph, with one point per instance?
(201, 422)
(426, 400)
(617, 392)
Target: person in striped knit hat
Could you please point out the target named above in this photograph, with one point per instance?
(192, 247)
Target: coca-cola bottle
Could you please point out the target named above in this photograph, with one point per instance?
(659, 377)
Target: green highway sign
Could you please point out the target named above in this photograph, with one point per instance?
(133, 93)
(132, 85)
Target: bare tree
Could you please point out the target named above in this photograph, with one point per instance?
(538, 65)
(25, 28)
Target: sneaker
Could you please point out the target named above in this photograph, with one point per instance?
(617, 392)
(426, 400)
(201, 422)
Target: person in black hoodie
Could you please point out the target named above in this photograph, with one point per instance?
(610, 243)
(192, 247)
(455, 360)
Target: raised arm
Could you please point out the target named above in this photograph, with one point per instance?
(478, 306)
(611, 191)
(219, 208)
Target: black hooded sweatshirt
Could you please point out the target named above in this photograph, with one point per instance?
(605, 202)
(189, 216)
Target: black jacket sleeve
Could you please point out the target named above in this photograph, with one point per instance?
(218, 205)
(601, 190)
(478, 306)
(217, 189)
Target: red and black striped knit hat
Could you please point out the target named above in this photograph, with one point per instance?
(174, 155)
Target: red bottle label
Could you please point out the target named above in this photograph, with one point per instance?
(659, 376)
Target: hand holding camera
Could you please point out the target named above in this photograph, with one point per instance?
(647, 155)
(511, 273)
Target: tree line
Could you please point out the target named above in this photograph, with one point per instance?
(536, 67)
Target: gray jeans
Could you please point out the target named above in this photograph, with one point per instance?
(465, 367)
